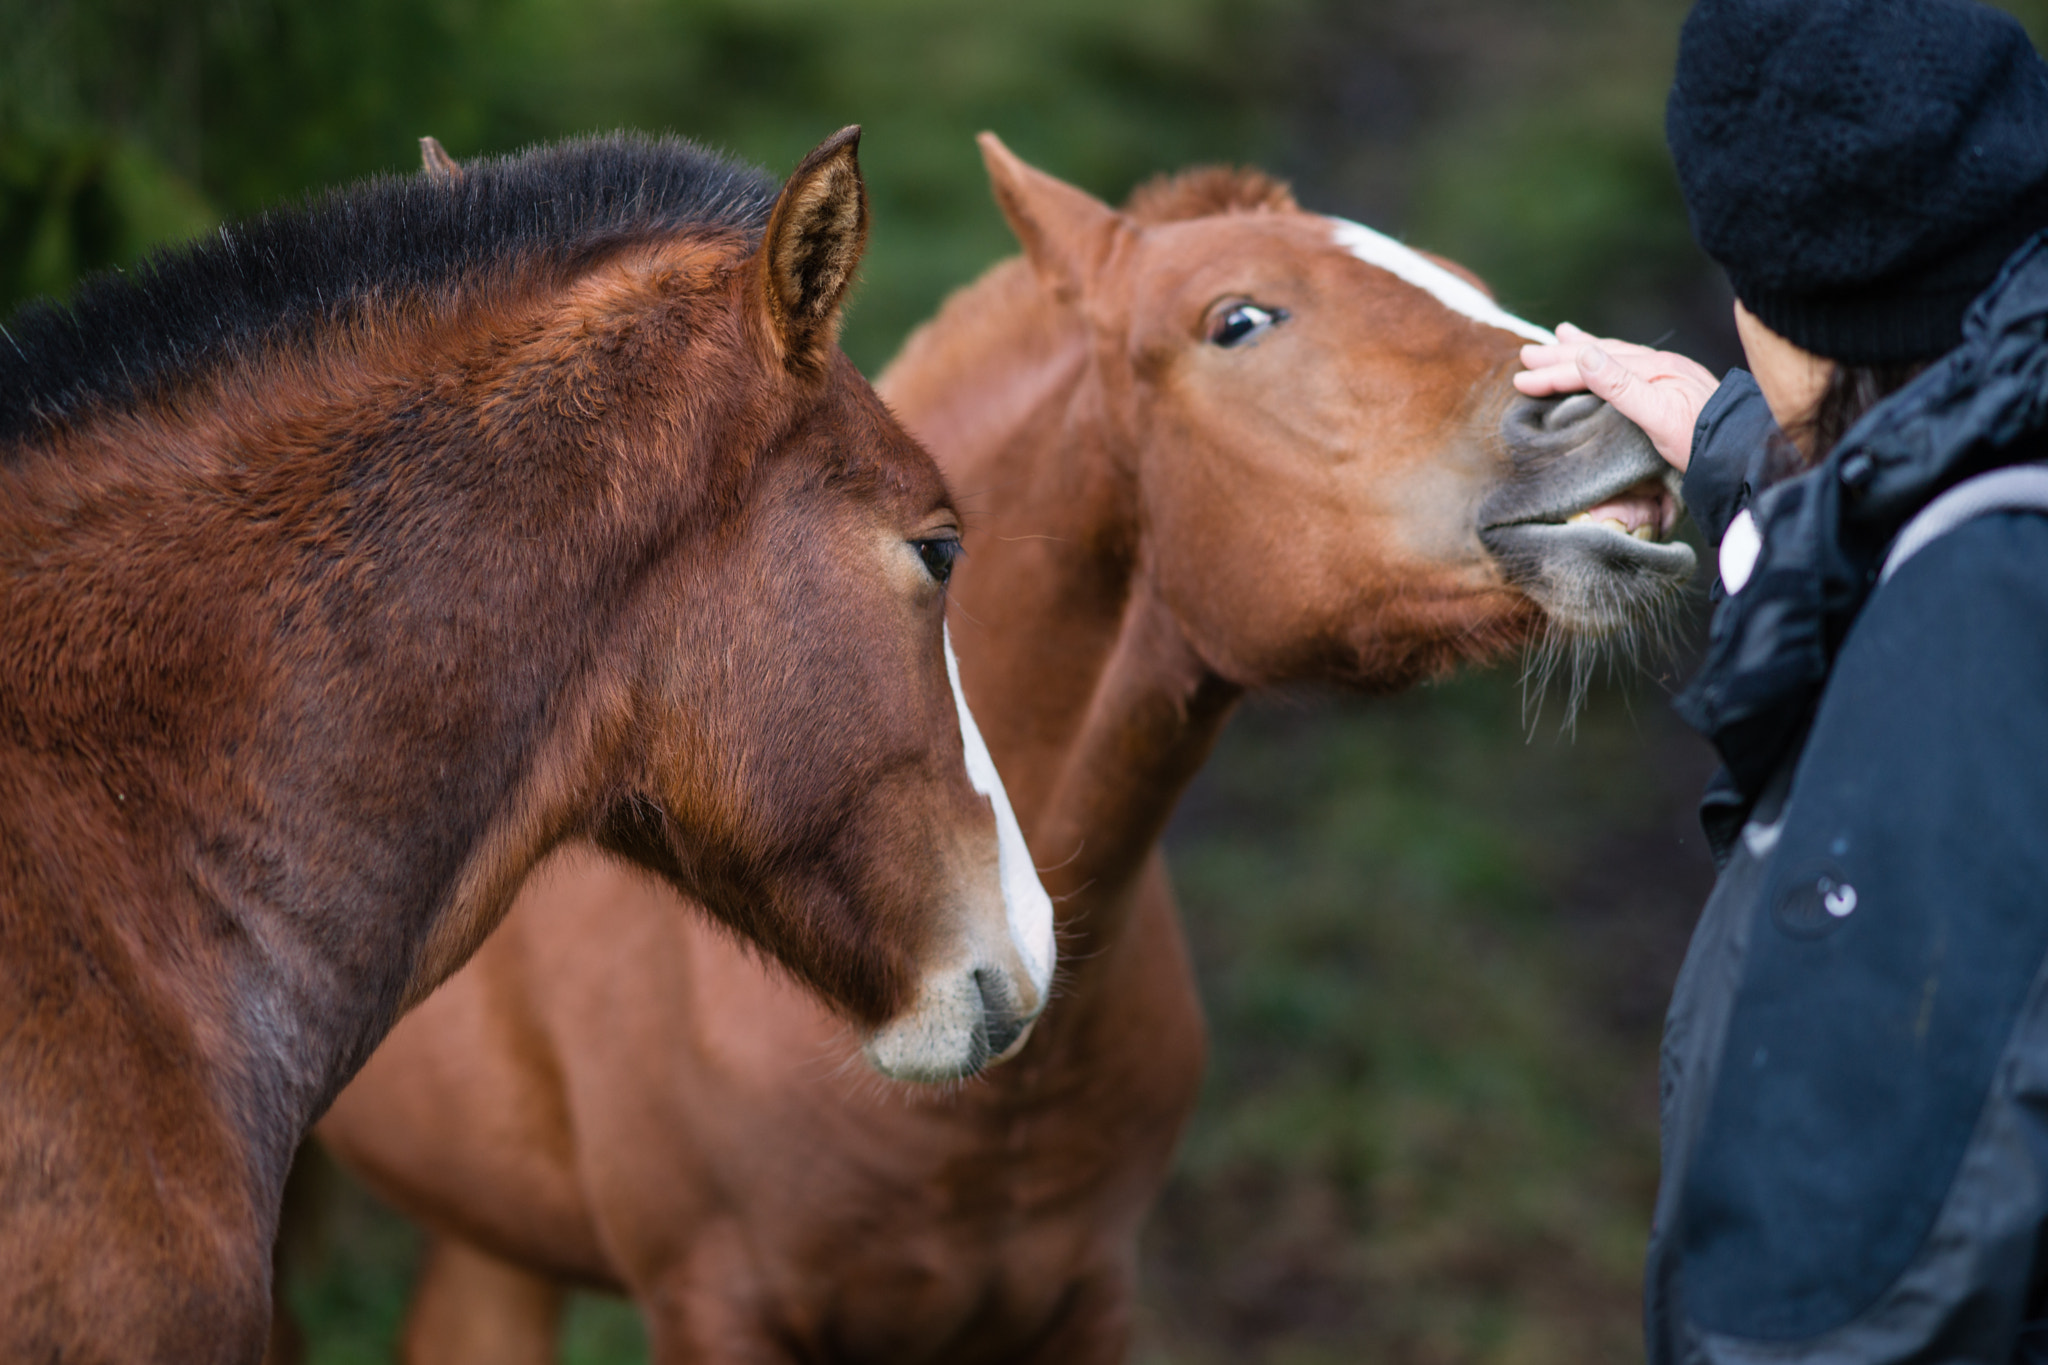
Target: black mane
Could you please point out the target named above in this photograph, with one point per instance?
(279, 276)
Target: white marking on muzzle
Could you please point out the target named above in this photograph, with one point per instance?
(1024, 901)
(1406, 263)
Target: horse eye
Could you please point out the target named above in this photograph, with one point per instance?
(938, 555)
(1244, 321)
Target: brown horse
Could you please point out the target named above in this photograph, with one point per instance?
(350, 563)
(1214, 443)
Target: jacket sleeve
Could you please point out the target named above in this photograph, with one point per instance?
(1869, 1180)
(1727, 446)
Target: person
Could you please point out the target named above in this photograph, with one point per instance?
(1855, 1063)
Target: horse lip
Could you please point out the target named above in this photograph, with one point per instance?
(1505, 540)
(1560, 515)
(1531, 537)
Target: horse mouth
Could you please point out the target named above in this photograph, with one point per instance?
(1634, 522)
(1644, 515)
(1644, 511)
(1601, 560)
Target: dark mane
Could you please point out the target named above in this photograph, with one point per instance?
(279, 276)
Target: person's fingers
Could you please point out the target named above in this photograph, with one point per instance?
(1571, 337)
(1554, 365)
(1604, 375)
(1662, 392)
(1616, 346)
(1550, 379)
(1690, 370)
(1609, 379)
(1570, 340)
(1558, 369)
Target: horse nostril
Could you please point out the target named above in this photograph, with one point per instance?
(1579, 407)
(1004, 1031)
(1001, 1021)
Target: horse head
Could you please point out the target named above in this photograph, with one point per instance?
(1300, 393)
(788, 738)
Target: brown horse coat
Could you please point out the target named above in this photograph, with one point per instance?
(351, 562)
(1206, 448)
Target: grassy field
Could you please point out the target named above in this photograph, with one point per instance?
(1435, 952)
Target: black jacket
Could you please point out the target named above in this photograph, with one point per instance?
(1855, 1072)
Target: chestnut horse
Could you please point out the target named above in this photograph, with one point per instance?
(354, 560)
(1214, 443)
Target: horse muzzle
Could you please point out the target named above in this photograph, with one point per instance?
(963, 1020)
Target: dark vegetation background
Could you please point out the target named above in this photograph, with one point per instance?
(1435, 942)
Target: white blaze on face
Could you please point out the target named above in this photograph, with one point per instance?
(1024, 900)
(1406, 263)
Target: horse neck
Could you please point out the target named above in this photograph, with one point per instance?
(1097, 710)
(1150, 720)
(282, 717)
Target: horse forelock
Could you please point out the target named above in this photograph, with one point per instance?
(290, 276)
(1205, 190)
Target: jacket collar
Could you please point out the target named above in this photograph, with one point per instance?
(1825, 532)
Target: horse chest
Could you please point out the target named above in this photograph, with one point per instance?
(961, 1228)
(942, 1294)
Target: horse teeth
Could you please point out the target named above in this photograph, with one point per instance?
(1644, 533)
(1578, 520)
(1614, 524)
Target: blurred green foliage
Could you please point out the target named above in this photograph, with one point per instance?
(1435, 954)
(193, 110)
(72, 201)
(1521, 136)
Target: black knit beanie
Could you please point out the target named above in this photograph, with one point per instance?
(1861, 168)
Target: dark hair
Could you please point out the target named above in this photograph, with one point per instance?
(280, 277)
(1851, 391)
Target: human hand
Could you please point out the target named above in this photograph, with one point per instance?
(1660, 391)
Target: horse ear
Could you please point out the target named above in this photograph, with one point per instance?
(437, 164)
(815, 238)
(1066, 232)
